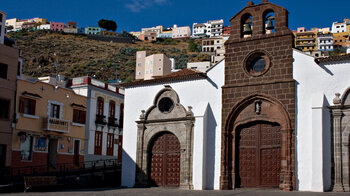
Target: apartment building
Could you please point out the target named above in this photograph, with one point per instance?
(153, 66)
(148, 36)
(181, 32)
(158, 29)
(57, 26)
(305, 40)
(71, 27)
(341, 40)
(93, 30)
(44, 27)
(212, 28)
(340, 27)
(210, 45)
(325, 41)
(104, 122)
(10, 68)
(50, 126)
(14, 24)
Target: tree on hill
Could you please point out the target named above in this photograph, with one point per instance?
(109, 25)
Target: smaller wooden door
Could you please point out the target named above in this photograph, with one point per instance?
(165, 161)
(98, 142)
(76, 152)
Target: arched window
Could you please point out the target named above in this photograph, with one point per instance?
(246, 25)
(100, 103)
(100, 119)
(112, 121)
(269, 22)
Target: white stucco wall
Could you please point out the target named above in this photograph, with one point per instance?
(315, 88)
(205, 97)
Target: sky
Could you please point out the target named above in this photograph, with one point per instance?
(132, 15)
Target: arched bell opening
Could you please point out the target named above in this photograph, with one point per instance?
(269, 22)
(246, 26)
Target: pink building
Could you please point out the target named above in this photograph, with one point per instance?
(181, 32)
(57, 26)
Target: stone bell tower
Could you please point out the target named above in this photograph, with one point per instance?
(258, 100)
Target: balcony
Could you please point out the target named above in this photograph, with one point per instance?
(57, 125)
(113, 122)
(100, 119)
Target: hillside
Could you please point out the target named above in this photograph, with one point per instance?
(78, 56)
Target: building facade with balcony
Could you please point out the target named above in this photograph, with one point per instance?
(104, 122)
(212, 28)
(305, 40)
(325, 42)
(49, 129)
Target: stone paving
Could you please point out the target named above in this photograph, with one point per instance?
(176, 192)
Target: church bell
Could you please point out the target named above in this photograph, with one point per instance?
(247, 28)
(269, 25)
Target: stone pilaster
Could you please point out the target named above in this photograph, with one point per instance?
(337, 150)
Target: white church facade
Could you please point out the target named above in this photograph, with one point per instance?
(266, 116)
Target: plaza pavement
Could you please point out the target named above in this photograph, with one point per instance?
(176, 192)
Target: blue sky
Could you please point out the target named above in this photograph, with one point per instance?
(132, 15)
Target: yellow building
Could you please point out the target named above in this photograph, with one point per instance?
(50, 126)
(341, 40)
(306, 40)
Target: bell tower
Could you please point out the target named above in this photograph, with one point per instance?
(259, 91)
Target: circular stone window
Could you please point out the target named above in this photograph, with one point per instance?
(257, 64)
(165, 105)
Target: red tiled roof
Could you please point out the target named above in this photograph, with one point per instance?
(184, 74)
(333, 58)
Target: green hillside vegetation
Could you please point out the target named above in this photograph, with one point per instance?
(79, 56)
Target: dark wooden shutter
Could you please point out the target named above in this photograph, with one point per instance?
(22, 104)
(32, 107)
(82, 117)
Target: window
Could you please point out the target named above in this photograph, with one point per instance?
(55, 111)
(100, 104)
(111, 117)
(19, 69)
(27, 106)
(3, 70)
(4, 108)
(110, 144)
(165, 105)
(26, 147)
(98, 142)
(79, 116)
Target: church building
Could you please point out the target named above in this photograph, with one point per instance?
(265, 116)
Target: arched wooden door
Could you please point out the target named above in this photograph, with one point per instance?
(258, 151)
(165, 161)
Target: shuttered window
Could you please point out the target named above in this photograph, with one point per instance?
(27, 106)
(79, 116)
